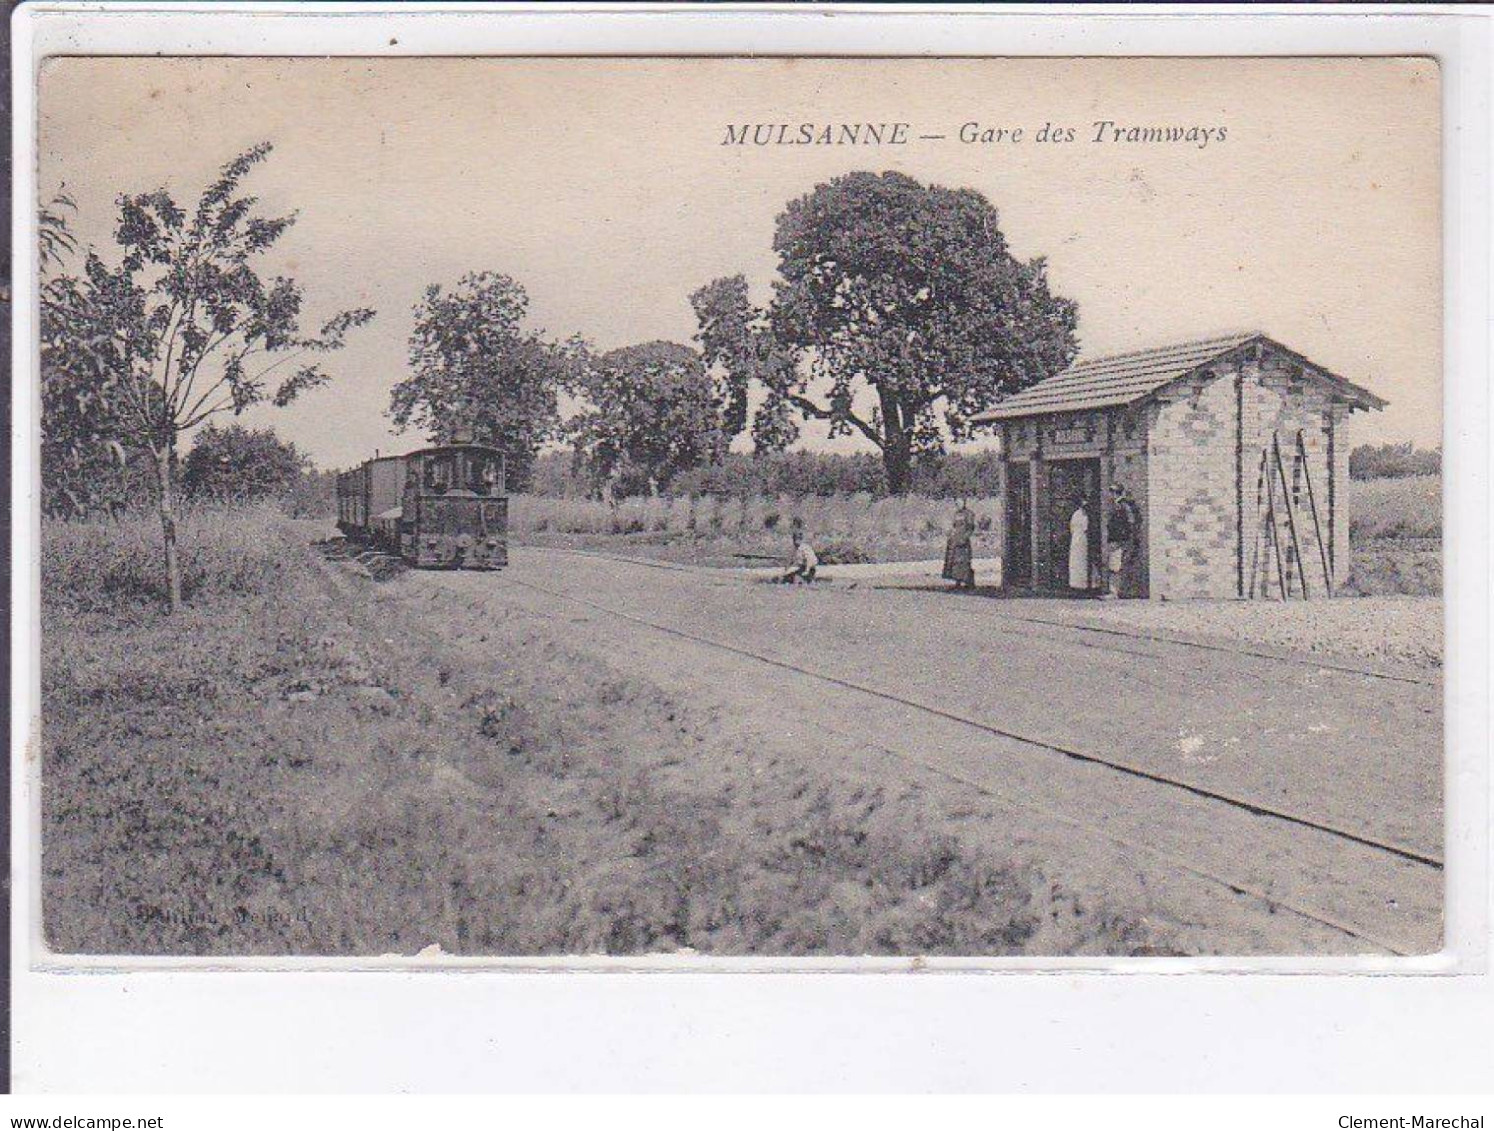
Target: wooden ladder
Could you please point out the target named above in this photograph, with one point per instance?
(1268, 536)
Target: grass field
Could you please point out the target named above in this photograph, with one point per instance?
(110, 566)
(846, 528)
(1395, 528)
(294, 765)
(1396, 508)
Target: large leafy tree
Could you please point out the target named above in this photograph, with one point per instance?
(737, 341)
(238, 464)
(653, 412)
(183, 328)
(90, 460)
(898, 312)
(474, 364)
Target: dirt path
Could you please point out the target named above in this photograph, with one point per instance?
(1347, 751)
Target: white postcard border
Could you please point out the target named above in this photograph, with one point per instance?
(70, 1028)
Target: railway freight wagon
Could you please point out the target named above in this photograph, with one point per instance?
(368, 502)
(440, 507)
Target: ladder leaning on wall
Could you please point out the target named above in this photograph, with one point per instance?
(1270, 513)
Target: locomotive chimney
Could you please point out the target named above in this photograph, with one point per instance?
(461, 425)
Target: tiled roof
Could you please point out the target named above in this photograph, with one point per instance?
(1125, 378)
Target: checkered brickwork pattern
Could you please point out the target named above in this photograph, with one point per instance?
(1276, 405)
(1193, 518)
(1192, 474)
(1200, 528)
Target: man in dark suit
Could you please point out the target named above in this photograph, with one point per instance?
(1123, 532)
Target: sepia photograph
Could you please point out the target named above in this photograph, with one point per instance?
(724, 507)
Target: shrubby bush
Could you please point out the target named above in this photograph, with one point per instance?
(238, 464)
(1404, 507)
(1393, 461)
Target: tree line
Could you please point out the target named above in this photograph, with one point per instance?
(897, 313)
(798, 473)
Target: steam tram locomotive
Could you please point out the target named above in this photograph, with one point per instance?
(439, 507)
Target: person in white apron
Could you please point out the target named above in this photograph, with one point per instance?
(1079, 547)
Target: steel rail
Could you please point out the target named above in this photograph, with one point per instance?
(1105, 630)
(1188, 866)
(1171, 859)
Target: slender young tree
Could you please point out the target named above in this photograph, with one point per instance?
(184, 328)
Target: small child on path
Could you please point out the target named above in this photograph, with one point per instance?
(805, 563)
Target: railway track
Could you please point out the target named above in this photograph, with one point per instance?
(1240, 803)
(1028, 618)
(1278, 818)
(1281, 819)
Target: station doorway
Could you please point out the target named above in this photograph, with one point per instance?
(1067, 483)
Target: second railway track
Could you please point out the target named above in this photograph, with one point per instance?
(1284, 819)
(1402, 858)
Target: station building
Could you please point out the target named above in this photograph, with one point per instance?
(1234, 449)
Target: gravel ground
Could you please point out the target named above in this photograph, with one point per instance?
(1320, 743)
(1394, 629)
(910, 572)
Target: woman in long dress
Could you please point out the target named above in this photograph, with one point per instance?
(1079, 547)
(959, 558)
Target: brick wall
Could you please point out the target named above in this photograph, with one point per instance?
(1115, 437)
(1281, 403)
(1196, 525)
(1338, 423)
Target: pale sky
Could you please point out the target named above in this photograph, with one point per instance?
(603, 186)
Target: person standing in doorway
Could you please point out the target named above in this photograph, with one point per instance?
(1079, 548)
(1123, 531)
(959, 557)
